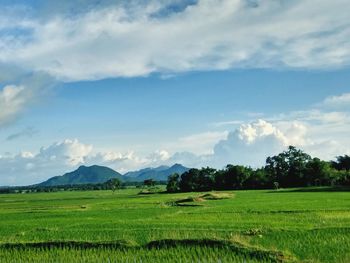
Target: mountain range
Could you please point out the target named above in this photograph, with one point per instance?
(99, 174)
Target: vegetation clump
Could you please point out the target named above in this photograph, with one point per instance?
(253, 232)
(194, 200)
(216, 196)
(147, 192)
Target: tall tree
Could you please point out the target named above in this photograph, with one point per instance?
(173, 183)
(113, 184)
(342, 163)
(149, 182)
(233, 177)
(289, 167)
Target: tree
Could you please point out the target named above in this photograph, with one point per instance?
(258, 179)
(206, 179)
(233, 177)
(318, 172)
(173, 183)
(198, 180)
(342, 163)
(289, 167)
(113, 184)
(189, 180)
(341, 177)
(149, 182)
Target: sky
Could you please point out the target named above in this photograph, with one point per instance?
(134, 84)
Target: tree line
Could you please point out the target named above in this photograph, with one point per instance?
(112, 184)
(291, 168)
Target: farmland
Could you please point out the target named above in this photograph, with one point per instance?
(309, 224)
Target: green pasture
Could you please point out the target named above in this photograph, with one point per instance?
(297, 225)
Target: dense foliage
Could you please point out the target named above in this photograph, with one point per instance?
(291, 168)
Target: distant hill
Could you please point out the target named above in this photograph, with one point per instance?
(160, 173)
(84, 175)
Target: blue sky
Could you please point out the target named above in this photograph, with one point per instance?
(131, 84)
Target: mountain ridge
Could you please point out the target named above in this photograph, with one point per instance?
(99, 174)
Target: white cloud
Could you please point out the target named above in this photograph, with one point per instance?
(27, 90)
(159, 156)
(13, 99)
(209, 35)
(341, 101)
(68, 152)
(121, 162)
(28, 168)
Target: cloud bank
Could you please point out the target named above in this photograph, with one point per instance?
(179, 36)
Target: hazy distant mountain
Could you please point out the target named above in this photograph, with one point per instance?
(160, 173)
(84, 175)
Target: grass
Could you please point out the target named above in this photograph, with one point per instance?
(271, 226)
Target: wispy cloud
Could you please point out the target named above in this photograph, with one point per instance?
(27, 132)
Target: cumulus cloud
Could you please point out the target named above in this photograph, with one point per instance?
(321, 131)
(204, 35)
(250, 144)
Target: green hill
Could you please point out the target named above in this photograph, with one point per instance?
(84, 175)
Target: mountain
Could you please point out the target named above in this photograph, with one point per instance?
(99, 174)
(160, 173)
(84, 175)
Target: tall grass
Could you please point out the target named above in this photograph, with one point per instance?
(191, 254)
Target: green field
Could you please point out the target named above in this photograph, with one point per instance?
(311, 225)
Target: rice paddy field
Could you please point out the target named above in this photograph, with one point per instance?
(294, 225)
